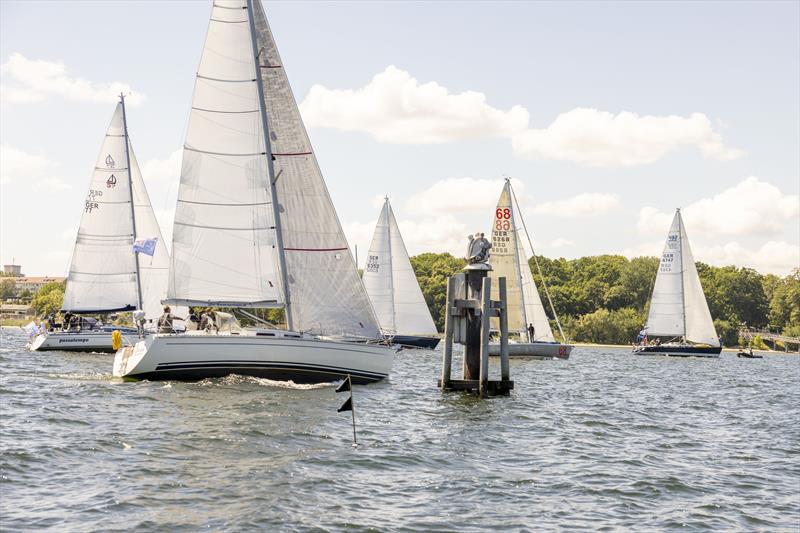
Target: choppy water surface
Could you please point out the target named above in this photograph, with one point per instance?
(604, 441)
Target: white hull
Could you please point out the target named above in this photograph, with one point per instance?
(69, 341)
(534, 350)
(290, 357)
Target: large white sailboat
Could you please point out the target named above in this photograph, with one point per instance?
(526, 314)
(393, 289)
(678, 308)
(106, 274)
(255, 228)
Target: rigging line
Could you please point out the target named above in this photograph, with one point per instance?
(221, 125)
(538, 268)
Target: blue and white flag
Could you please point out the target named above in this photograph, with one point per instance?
(145, 246)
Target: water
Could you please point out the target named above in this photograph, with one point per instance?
(605, 441)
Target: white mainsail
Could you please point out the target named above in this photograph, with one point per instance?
(102, 275)
(391, 283)
(223, 244)
(678, 306)
(509, 260)
(227, 245)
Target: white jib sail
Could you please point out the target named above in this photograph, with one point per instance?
(102, 274)
(678, 306)
(699, 325)
(223, 246)
(153, 270)
(391, 283)
(325, 291)
(509, 260)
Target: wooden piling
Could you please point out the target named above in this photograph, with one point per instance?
(505, 371)
(486, 312)
(472, 346)
(447, 357)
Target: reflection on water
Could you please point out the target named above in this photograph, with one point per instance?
(604, 440)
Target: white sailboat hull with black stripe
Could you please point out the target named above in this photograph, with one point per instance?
(77, 341)
(276, 355)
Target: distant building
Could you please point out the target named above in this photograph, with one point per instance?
(12, 270)
(15, 310)
(33, 284)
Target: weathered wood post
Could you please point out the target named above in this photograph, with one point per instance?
(486, 312)
(505, 372)
(447, 362)
(467, 321)
(472, 345)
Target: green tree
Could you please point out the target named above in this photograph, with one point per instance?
(784, 301)
(8, 288)
(432, 271)
(607, 327)
(49, 298)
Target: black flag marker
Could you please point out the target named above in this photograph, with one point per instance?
(344, 386)
(346, 406)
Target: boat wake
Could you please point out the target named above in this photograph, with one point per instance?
(236, 379)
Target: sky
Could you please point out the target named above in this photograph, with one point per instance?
(607, 116)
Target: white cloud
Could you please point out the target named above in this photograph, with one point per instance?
(561, 243)
(52, 185)
(774, 257)
(434, 234)
(462, 195)
(17, 165)
(396, 108)
(585, 204)
(602, 139)
(33, 80)
(163, 170)
(751, 207)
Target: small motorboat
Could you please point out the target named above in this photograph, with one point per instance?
(748, 354)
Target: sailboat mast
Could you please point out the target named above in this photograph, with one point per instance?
(388, 208)
(133, 207)
(683, 290)
(273, 191)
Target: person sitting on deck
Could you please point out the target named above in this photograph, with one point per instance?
(165, 321)
(208, 320)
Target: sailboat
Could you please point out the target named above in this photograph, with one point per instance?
(526, 314)
(678, 307)
(393, 289)
(120, 260)
(255, 228)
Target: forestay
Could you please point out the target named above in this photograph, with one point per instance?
(102, 274)
(509, 260)
(325, 291)
(678, 306)
(391, 283)
(223, 249)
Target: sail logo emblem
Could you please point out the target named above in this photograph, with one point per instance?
(111, 182)
(110, 161)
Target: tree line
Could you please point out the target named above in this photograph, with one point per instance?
(605, 298)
